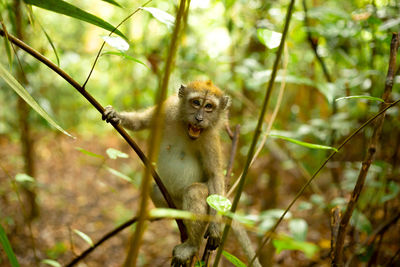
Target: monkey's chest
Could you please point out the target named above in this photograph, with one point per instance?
(179, 166)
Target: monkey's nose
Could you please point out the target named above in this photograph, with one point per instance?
(199, 119)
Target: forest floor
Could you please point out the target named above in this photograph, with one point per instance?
(76, 191)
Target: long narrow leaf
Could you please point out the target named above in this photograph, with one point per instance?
(51, 44)
(67, 9)
(301, 143)
(112, 2)
(125, 56)
(7, 45)
(84, 237)
(17, 87)
(7, 248)
(233, 259)
(362, 97)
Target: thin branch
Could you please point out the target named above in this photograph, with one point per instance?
(273, 117)
(102, 45)
(100, 108)
(257, 131)
(155, 139)
(314, 44)
(105, 237)
(338, 252)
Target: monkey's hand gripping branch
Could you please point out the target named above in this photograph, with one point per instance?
(100, 108)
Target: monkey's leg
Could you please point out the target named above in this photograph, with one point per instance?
(194, 200)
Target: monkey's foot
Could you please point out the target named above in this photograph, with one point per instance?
(182, 255)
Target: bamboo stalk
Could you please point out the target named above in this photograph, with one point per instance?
(257, 132)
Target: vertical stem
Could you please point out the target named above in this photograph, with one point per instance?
(154, 140)
(257, 132)
(338, 251)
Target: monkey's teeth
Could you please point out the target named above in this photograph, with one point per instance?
(194, 132)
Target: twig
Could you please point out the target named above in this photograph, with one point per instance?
(154, 140)
(102, 45)
(235, 142)
(257, 131)
(301, 191)
(314, 44)
(335, 220)
(273, 117)
(338, 252)
(100, 108)
(103, 239)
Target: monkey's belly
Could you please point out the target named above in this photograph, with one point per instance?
(178, 168)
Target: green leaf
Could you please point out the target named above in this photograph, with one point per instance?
(308, 145)
(298, 228)
(233, 259)
(9, 79)
(112, 2)
(361, 222)
(67, 9)
(219, 203)
(269, 38)
(51, 262)
(24, 178)
(199, 264)
(172, 213)
(7, 248)
(123, 176)
(362, 97)
(51, 44)
(394, 190)
(88, 152)
(114, 153)
(288, 243)
(116, 42)
(161, 16)
(84, 237)
(7, 45)
(248, 220)
(125, 56)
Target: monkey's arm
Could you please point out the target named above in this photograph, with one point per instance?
(135, 121)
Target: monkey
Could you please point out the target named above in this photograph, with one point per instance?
(190, 157)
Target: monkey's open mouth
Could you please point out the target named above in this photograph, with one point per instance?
(194, 132)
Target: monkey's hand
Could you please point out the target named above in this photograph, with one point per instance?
(213, 234)
(110, 115)
(183, 254)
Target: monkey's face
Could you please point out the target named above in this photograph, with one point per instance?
(202, 113)
(201, 108)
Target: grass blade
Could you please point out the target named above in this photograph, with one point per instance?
(121, 54)
(7, 248)
(84, 237)
(305, 144)
(67, 9)
(17, 87)
(112, 2)
(51, 43)
(362, 97)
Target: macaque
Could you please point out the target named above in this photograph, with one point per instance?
(189, 161)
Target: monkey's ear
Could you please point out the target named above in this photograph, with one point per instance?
(181, 92)
(225, 102)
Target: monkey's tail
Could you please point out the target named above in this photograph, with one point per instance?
(244, 241)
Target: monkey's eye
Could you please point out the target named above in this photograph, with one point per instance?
(196, 103)
(208, 107)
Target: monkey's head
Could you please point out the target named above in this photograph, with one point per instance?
(202, 105)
